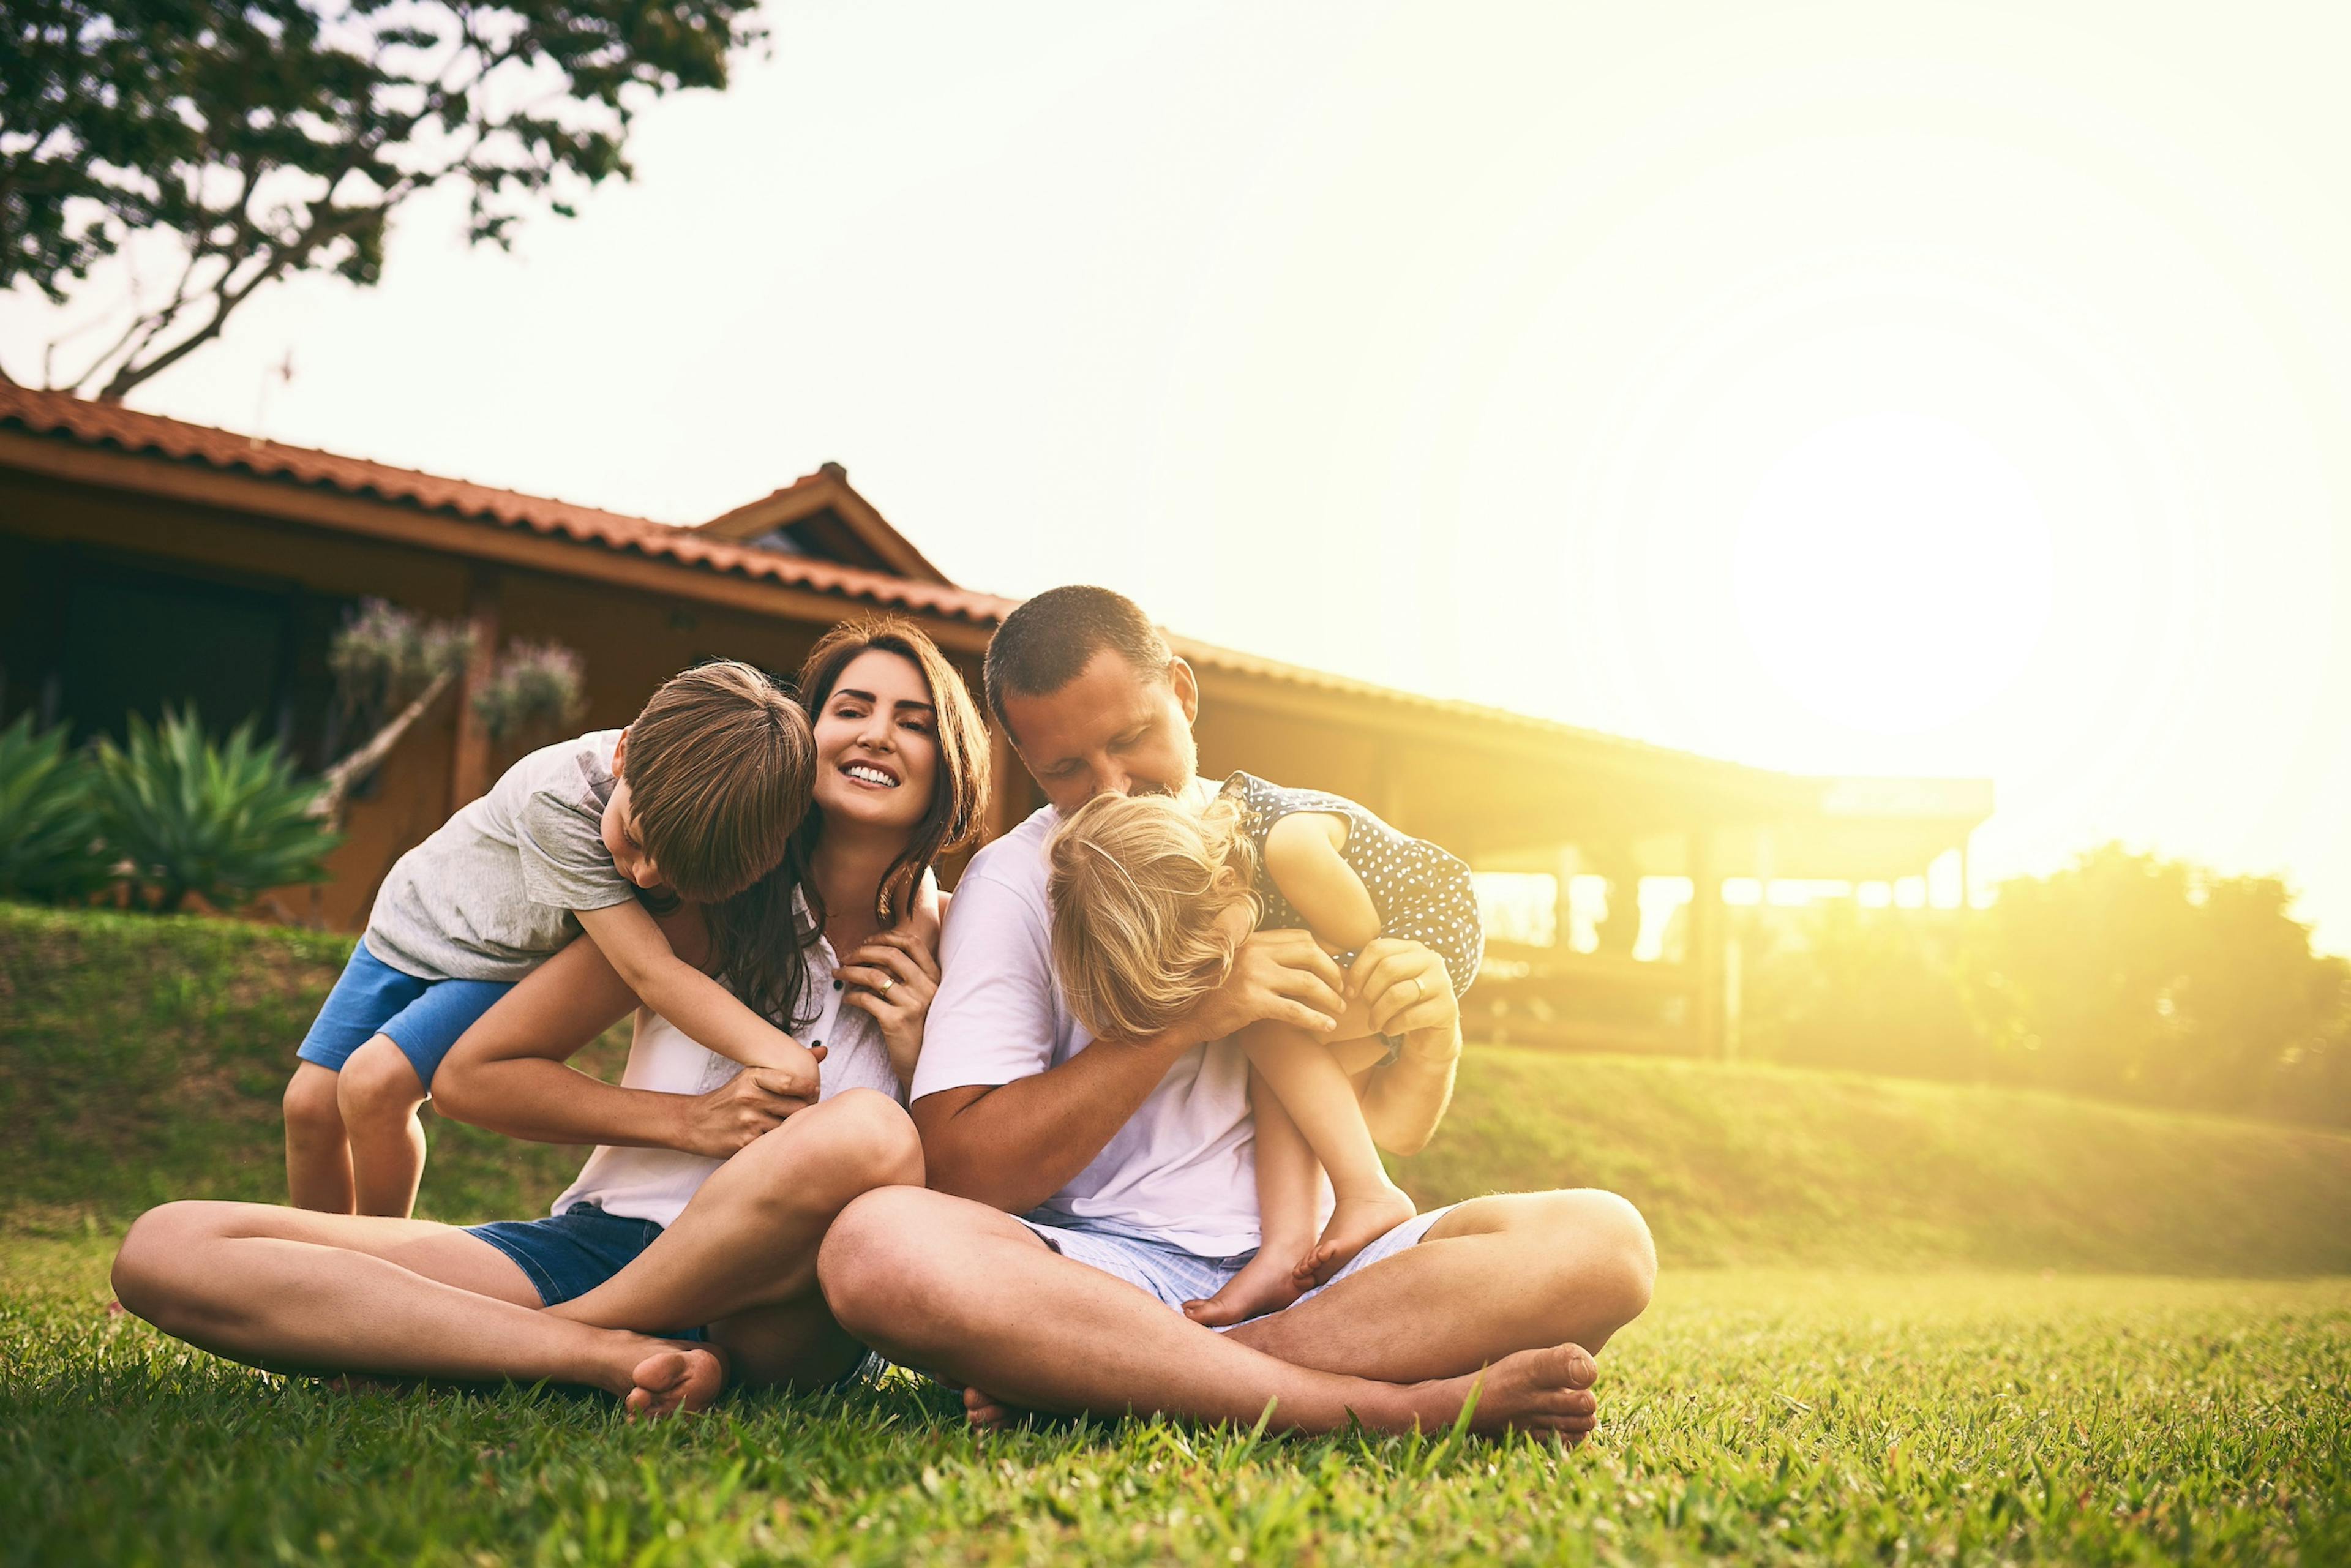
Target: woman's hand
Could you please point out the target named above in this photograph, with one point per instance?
(1408, 992)
(893, 978)
(740, 1110)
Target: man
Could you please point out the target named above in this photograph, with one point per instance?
(1133, 1162)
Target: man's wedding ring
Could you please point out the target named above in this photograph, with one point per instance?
(883, 988)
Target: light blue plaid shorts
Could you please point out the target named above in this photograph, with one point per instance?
(1165, 1270)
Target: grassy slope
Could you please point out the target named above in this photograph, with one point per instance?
(141, 1058)
(1758, 1165)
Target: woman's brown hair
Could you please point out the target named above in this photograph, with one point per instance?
(958, 788)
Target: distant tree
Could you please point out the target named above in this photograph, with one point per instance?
(2123, 976)
(2130, 976)
(276, 137)
(1872, 990)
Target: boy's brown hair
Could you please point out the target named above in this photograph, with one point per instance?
(721, 767)
(1140, 886)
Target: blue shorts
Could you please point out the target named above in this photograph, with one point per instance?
(1163, 1270)
(423, 1018)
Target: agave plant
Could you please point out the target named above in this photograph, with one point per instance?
(48, 826)
(187, 814)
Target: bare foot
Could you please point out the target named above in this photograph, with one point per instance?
(1265, 1285)
(1355, 1224)
(677, 1381)
(985, 1412)
(1545, 1392)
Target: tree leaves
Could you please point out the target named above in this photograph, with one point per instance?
(275, 136)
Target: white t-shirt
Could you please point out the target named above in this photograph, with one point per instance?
(1184, 1166)
(656, 1183)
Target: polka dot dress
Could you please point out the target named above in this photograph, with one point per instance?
(1422, 894)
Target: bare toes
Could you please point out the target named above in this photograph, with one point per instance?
(677, 1382)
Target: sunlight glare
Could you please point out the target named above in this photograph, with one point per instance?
(1893, 572)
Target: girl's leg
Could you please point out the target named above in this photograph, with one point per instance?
(742, 1257)
(1289, 1186)
(292, 1291)
(379, 1095)
(318, 1151)
(1317, 1094)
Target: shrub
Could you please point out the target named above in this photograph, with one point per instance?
(537, 689)
(48, 827)
(221, 820)
(383, 657)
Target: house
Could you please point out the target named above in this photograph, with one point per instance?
(145, 561)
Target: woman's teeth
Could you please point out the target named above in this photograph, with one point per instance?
(872, 776)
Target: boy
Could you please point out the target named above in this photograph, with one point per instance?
(697, 799)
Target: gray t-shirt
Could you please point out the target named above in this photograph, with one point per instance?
(491, 895)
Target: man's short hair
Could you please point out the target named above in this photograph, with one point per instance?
(1046, 641)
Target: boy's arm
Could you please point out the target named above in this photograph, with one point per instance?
(1301, 856)
(706, 1011)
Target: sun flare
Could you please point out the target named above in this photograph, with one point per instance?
(1893, 572)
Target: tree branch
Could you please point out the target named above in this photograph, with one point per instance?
(328, 804)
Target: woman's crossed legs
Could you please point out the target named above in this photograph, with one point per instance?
(300, 1291)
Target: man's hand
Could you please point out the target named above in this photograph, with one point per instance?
(1408, 992)
(745, 1108)
(1279, 976)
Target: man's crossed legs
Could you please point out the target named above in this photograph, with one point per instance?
(1506, 1296)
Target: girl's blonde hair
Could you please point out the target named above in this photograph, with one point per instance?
(1140, 886)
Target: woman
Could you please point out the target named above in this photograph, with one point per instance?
(710, 1190)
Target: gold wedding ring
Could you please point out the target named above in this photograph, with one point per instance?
(883, 988)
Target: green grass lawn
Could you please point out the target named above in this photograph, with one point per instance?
(1896, 1322)
(1753, 1414)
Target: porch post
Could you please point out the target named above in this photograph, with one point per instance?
(1707, 1015)
(469, 769)
(1008, 785)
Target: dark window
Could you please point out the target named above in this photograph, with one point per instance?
(135, 643)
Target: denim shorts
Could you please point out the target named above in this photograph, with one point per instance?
(1165, 1270)
(572, 1253)
(423, 1018)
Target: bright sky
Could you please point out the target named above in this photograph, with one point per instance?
(1845, 388)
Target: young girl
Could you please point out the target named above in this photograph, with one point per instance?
(1151, 898)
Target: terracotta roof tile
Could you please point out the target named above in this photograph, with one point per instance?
(127, 430)
(63, 417)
